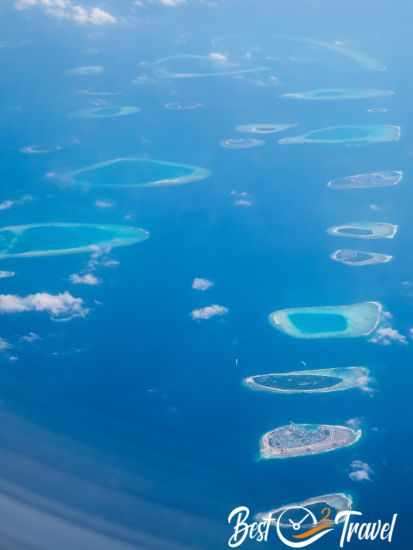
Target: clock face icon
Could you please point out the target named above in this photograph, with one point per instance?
(298, 527)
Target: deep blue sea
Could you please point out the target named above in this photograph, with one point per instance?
(134, 417)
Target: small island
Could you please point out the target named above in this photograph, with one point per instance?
(310, 381)
(296, 440)
(370, 180)
(338, 502)
(359, 258)
(364, 230)
(349, 321)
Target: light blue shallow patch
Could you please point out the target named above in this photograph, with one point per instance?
(132, 172)
(57, 239)
(350, 321)
(335, 94)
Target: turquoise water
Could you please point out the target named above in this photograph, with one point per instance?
(307, 381)
(136, 413)
(312, 323)
(131, 172)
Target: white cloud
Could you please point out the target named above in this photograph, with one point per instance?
(87, 70)
(30, 338)
(218, 57)
(39, 150)
(66, 9)
(59, 306)
(99, 203)
(354, 423)
(205, 313)
(387, 335)
(5, 205)
(86, 279)
(172, 3)
(361, 471)
(7, 274)
(202, 284)
(4, 344)
(243, 202)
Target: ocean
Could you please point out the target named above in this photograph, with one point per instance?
(133, 416)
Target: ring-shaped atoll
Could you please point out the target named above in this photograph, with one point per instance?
(310, 381)
(369, 180)
(336, 46)
(265, 128)
(106, 111)
(57, 239)
(296, 440)
(134, 172)
(186, 66)
(241, 143)
(349, 321)
(353, 134)
(334, 94)
(364, 230)
(339, 502)
(359, 258)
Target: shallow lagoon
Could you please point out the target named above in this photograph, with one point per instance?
(347, 134)
(350, 321)
(364, 230)
(134, 173)
(360, 258)
(57, 239)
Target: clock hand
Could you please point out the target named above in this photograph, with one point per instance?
(302, 521)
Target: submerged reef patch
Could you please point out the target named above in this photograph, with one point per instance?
(379, 133)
